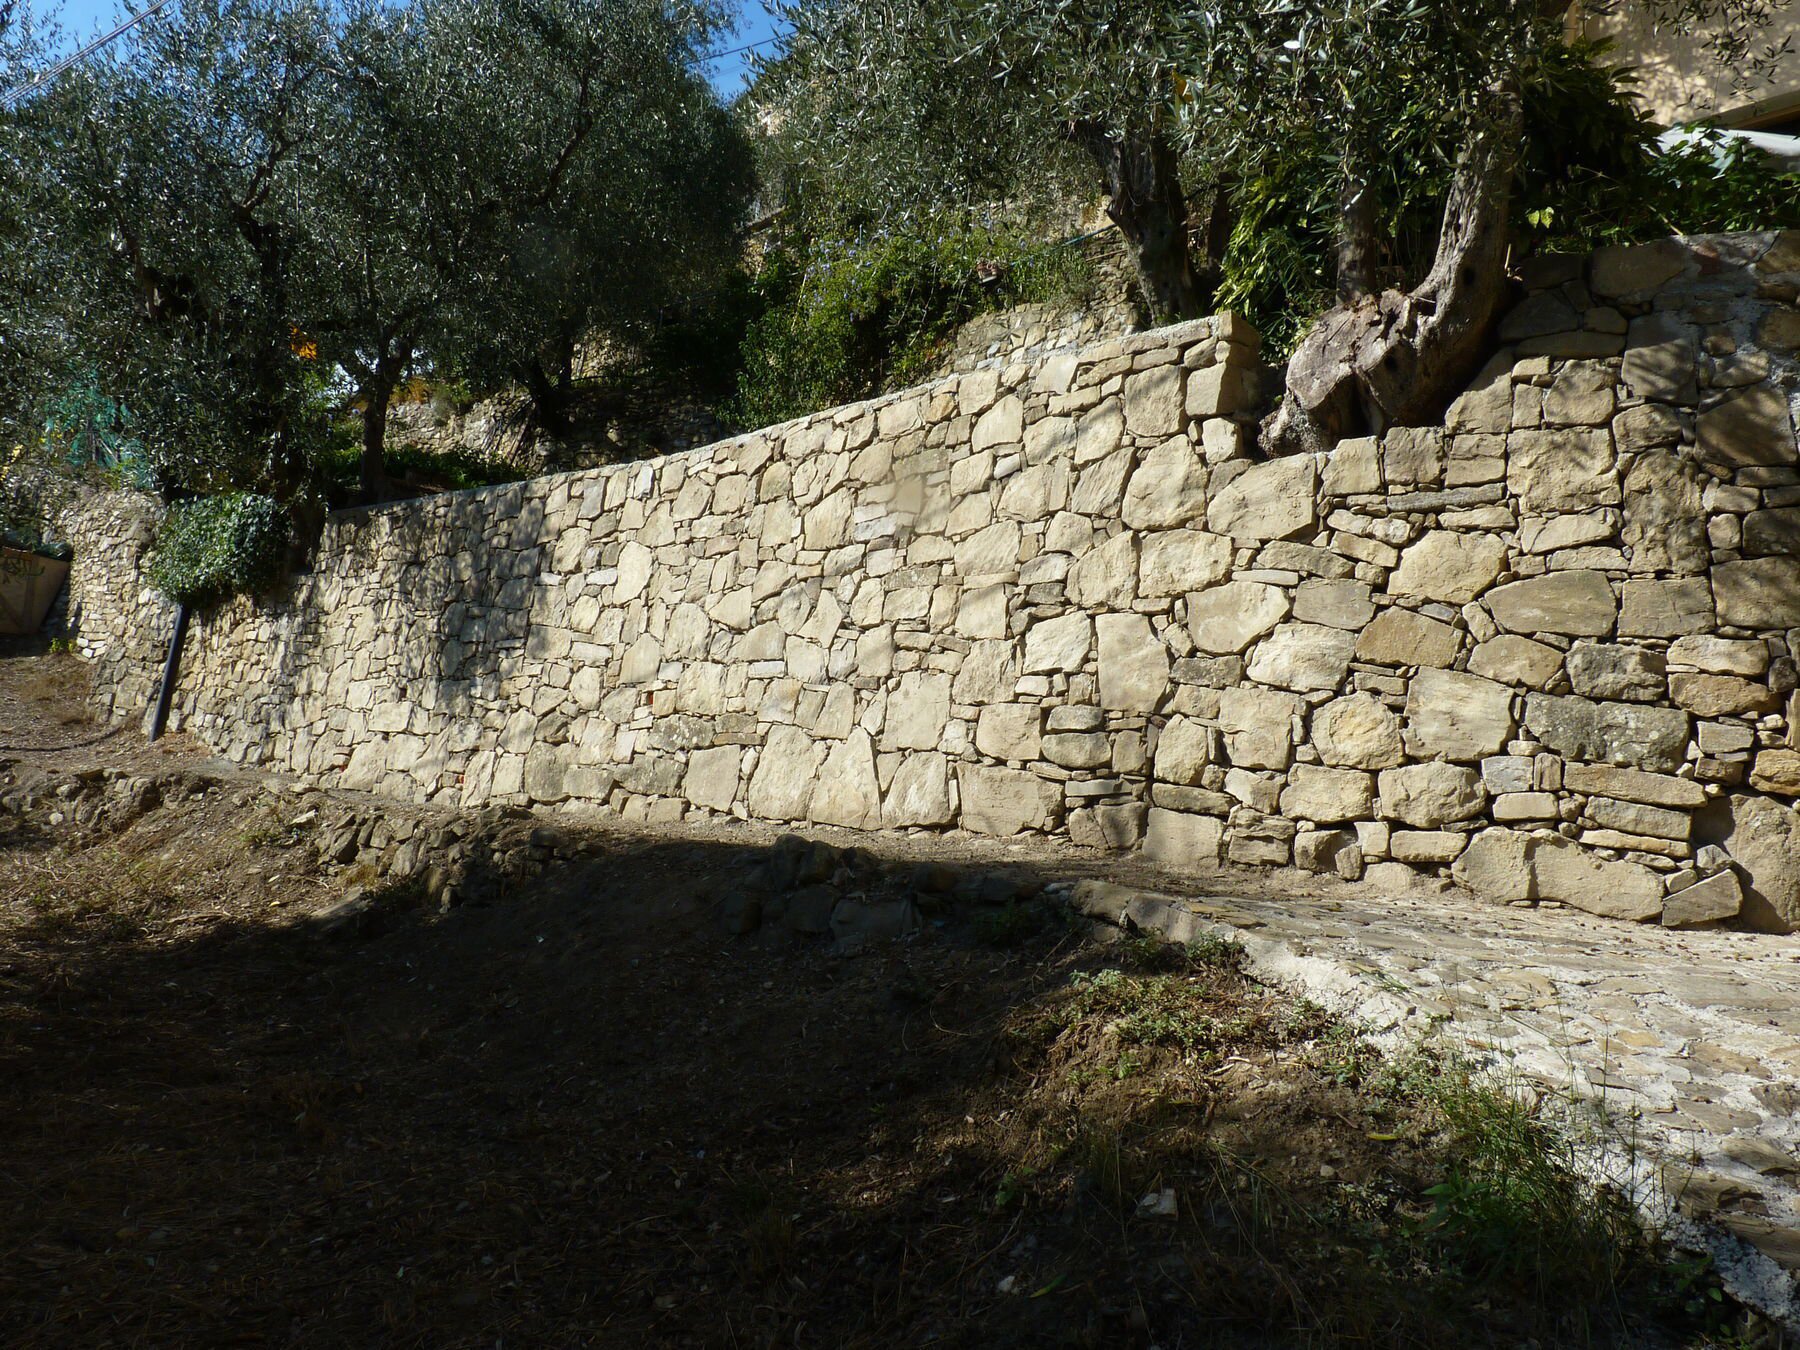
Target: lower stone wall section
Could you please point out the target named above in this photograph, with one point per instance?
(1547, 647)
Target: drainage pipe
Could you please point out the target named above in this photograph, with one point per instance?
(159, 715)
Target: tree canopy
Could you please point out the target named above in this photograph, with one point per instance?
(249, 215)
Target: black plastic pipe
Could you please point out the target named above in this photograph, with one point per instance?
(159, 716)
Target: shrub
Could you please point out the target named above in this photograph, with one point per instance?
(842, 319)
(213, 547)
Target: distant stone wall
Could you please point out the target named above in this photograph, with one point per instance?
(1547, 648)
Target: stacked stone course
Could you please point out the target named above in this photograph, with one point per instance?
(1547, 647)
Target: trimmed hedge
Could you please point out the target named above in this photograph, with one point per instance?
(214, 547)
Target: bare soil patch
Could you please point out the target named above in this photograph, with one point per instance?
(582, 1113)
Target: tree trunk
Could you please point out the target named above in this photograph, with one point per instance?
(1358, 249)
(1397, 358)
(377, 393)
(1144, 199)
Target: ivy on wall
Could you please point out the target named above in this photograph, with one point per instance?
(211, 548)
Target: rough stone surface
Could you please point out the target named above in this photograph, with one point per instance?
(1580, 604)
(1429, 795)
(1358, 732)
(1447, 566)
(1451, 715)
(1270, 501)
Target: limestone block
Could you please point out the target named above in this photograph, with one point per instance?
(1456, 716)
(1660, 359)
(1516, 660)
(1776, 531)
(847, 792)
(1626, 270)
(1612, 671)
(1002, 424)
(1496, 865)
(642, 660)
(1338, 604)
(1003, 802)
(993, 551)
(980, 613)
(1653, 789)
(1258, 726)
(1101, 485)
(1564, 871)
(1656, 822)
(1035, 493)
(1327, 795)
(1413, 456)
(1429, 795)
(1485, 407)
(1059, 644)
(1183, 751)
(1267, 501)
(1763, 839)
(1098, 433)
(1302, 657)
(919, 794)
(1634, 734)
(782, 785)
(1647, 426)
(1012, 731)
(1665, 528)
(1404, 637)
(989, 674)
(1357, 731)
(1154, 403)
(1106, 576)
(1722, 695)
(1666, 608)
(1115, 826)
(1329, 851)
(1177, 839)
(1448, 566)
(1581, 395)
(712, 777)
(1777, 771)
(1169, 488)
(1580, 604)
(1753, 427)
(1226, 619)
(1758, 592)
(634, 567)
(1562, 470)
(1258, 840)
(1217, 391)
(1078, 749)
(1134, 663)
(1353, 468)
(828, 524)
(917, 710)
(1550, 534)
(1706, 902)
(1174, 562)
(1422, 847)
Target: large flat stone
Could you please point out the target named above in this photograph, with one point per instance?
(1258, 726)
(1633, 734)
(1226, 619)
(1566, 470)
(1357, 731)
(1327, 796)
(1404, 637)
(1303, 657)
(1580, 604)
(1269, 501)
(1174, 562)
(1758, 592)
(1456, 716)
(1564, 871)
(1669, 608)
(1426, 796)
(1134, 663)
(1755, 427)
(1449, 566)
(1004, 802)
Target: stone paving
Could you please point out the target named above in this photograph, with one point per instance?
(1691, 1040)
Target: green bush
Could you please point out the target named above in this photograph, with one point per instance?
(213, 547)
(841, 320)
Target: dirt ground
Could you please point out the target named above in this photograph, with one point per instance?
(585, 1114)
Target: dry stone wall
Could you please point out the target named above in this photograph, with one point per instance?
(1547, 647)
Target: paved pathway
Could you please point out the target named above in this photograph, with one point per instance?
(1691, 1040)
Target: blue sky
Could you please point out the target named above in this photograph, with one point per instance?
(84, 19)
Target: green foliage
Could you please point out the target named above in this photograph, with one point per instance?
(213, 547)
(414, 467)
(1513, 1206)
(843, 320)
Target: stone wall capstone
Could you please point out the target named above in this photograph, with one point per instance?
(1547, 647)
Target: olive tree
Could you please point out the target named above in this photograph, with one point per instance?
(955, 101)
(600, 177)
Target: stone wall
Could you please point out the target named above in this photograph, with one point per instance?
(1546, 647)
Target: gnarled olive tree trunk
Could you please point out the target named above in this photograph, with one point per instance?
(1375, 361)
(1145, 200)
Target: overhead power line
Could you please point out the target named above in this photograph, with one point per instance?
(123, 28)
(738, 51)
